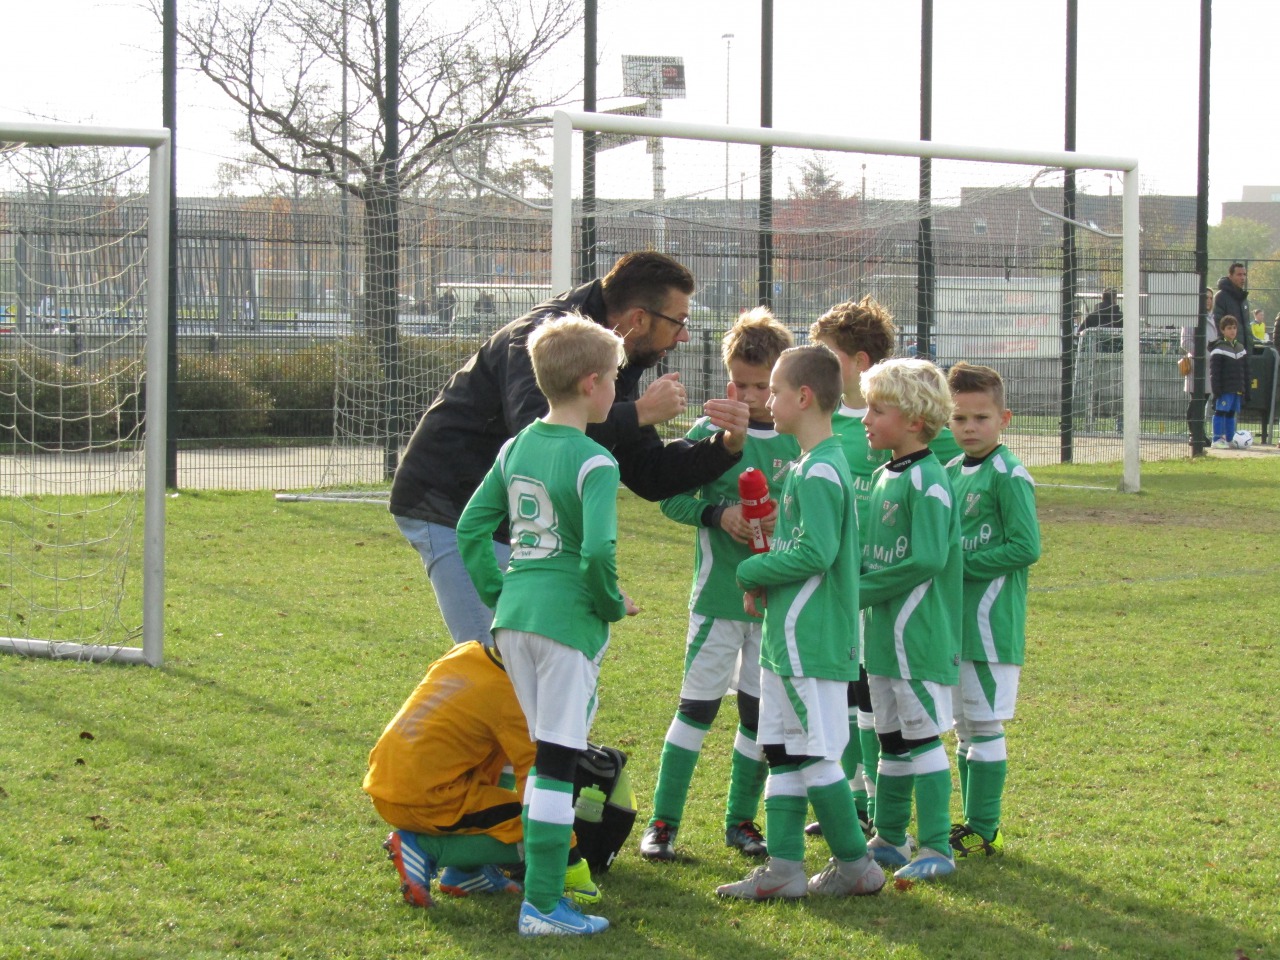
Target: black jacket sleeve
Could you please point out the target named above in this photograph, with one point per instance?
(655, 470)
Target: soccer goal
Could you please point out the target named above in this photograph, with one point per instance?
(83, 344)
(964, 244)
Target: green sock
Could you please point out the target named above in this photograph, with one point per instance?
(547, 836)
(933, 796)
(894, 784)
(986, 785)
(870, 766)
(851, 762)
(675, 770)
(833, 804)
(746, 779)
(785, 806)
(962, 768)
(468, 851)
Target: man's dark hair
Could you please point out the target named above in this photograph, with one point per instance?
(1234, 267)
(642, 279)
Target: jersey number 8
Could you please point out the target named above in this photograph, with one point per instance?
(533, 520)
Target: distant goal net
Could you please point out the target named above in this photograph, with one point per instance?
(998, 257)
(83, 281)
(966, 246)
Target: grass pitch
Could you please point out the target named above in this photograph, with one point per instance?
(213, 807)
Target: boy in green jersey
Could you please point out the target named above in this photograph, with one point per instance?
(910, 585)
(722, 648)
(1000, 536)
(558, 490)
(860, 335)
(807, 585)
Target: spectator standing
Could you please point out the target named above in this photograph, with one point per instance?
(1232, 300)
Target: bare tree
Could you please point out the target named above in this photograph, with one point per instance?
(310, 79)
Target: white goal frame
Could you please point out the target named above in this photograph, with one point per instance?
(562, 237)
(157, 142)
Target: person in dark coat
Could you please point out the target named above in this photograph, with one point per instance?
(1233, 301)
(645, 299)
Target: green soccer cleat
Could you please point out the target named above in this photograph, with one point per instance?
(966, 841)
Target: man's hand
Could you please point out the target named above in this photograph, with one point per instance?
(630, 605)
(754, 602)
(735, 525)
(663, 400)
(730, 415)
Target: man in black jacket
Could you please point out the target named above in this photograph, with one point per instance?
(645, 299)
(1233, 301)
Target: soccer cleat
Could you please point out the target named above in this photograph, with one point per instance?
(578, 885)
(658, 841)
(487, 879)
(887, 854)
(813, 830)
(565, 920)
(929, 864)
(966, 841)
(415, 867)
(1221, 444)
(856, 878)
(775, 880)
(747, 837)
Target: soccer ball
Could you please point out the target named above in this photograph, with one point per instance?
(1243, 440)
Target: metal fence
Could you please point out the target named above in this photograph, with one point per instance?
(270, 297)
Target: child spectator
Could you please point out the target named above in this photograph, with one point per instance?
(910, 586)
(808, 586)
(1000, 537)
(558, 490)
(1228, 381)
(448, 773)
(723, 642)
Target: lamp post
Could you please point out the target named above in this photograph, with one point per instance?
(728, 50)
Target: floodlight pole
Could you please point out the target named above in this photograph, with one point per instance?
(924, 260)
(728, 53)
(764, 235)
(169, 97)
(1066, 423)
(1196, 402)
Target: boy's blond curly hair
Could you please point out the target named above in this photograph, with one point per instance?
(915, 386)
(755, 338)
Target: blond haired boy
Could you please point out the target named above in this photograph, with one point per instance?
(722, 646)
(557, 489)
(911, 584)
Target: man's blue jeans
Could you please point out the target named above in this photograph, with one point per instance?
(464, 614)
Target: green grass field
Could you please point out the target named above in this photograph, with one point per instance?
(213, 807)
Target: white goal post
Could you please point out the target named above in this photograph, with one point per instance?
(85, 290)
(566, 123)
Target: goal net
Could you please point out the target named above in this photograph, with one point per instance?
(83, 277)
(988, 256)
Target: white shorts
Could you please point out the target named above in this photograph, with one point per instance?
(721, 656)
(808, 716)
(919, 709)
(988, 691)
(555, 684)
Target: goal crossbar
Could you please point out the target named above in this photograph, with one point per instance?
(157, 142)
(562, 239)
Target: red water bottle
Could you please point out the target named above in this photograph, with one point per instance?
(753, 491)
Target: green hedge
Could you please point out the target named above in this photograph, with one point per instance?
(241, 396)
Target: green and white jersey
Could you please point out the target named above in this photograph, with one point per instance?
(716, 555)
(912, 573)
(559, 491)
(811, 571)
(1000, 535)
(846, 423)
